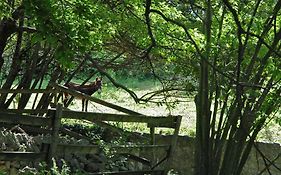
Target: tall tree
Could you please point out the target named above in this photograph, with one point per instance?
(227, 52)
(237, 47)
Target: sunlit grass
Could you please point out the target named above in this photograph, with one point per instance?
(110, 93)
(122, 98)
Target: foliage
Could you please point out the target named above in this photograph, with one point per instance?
(55, 170)
(227, 51)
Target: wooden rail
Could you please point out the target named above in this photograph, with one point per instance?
(24, 119)
(94, 99)
(22, 156)
(141, 172)
(27, 91)
(25, 111)
(92, 116)
(63, 149)
(53, 121)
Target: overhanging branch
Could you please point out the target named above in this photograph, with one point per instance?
(183, 27)
(149, 30)
(116, 84)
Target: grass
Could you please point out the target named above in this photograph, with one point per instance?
(141, 86)
(270, 133)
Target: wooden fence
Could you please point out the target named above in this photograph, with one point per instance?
(52, 120)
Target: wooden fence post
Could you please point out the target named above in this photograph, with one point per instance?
(152, 142)
(171, 154)
(55, 134)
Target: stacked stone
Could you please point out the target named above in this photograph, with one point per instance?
(88, 163)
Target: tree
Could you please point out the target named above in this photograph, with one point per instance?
(227, 52)
(239, 84)
(249, 91)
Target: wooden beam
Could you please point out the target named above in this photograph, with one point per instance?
(74, 134)
(28, 111)
(171, 154)
(63, 149)
(21, 156)
(56, 122)
(93, 149)
(24, 119)
(94, 99)
(141, 172)
(26, 91)
(142, 160)
(129, 148)
(37, 130)
(92, 116)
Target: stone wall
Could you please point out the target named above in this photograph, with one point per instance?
(184, 156)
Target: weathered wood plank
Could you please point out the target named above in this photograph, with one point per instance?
(27, 111)
(139, 159)
(94, 99)
(77, 149)
(142, 172)
(131, 148)
(152, 135)
(26, 91)
(171, 154)
(93, 149)
(56, 122)
(74, 134)
(31, 129)
(21, 156)
(24, 119)
(92, 116)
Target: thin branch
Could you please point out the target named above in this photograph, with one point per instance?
(235, 15)
(116, 84)
(263, 42)
(27, 29)
(270, 164)
(149, 30)
(154, 93)
(182, 26)
(230, 77)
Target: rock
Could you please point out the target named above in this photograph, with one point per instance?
(83, 142)
(82, 165)
(3, 146)
(75, 164)
(36, 165)
(68, 157)
(123, 168)
(37, 140)
(23, 163)
(13, 171)
(114, 168)
(103, 157)
(28, 170)
(94, 158)
(15, 164)
(35, 148)
(92, 167)
(131, 166)
(82, 158)
(20, 138)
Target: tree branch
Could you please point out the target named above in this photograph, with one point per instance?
(149, 30)
(182, 26)
(116, 84)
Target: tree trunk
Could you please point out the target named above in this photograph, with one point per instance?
(7, 28)
(202, 152)
(15, 67)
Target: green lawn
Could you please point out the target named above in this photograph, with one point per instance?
(270, 133)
